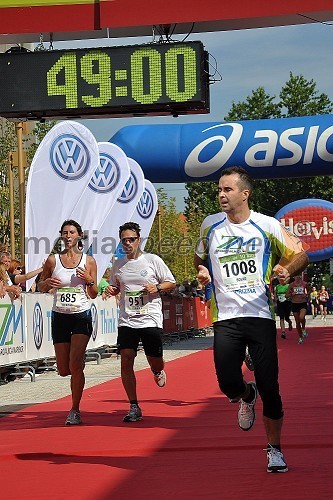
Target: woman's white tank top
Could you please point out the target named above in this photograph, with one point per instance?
(71, 297)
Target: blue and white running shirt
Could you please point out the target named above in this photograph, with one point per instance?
(240, 259)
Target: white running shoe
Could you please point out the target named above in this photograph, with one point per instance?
(246, 412)
(160, 378)
(275, 460)
(73, 418)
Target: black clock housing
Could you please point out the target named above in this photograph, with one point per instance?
(137, 80)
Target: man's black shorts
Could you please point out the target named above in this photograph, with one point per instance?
(283, 309)
(129, 338)
(66, 325)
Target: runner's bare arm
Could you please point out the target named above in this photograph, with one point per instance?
(203, 275)
(46, 281)
(90, 275)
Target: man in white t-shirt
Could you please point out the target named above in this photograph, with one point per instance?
(139, 278)
(238, 252)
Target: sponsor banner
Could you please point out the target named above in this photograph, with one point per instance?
(62, 166)
(288, 147)
(102, 191)
(312, 221)
(25, 331)
(106, 241)
(145, 211)
(37, 307)
(13, 333)
(105, 322)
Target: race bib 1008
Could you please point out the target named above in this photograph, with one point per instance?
(239, 271)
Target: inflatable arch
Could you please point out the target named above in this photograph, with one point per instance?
(273, 148)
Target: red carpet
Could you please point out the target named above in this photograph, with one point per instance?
(188, 445)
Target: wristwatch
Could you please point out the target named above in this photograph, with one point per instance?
(91, 283)
(159, 288)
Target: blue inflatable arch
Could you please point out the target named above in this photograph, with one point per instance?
(287, 147)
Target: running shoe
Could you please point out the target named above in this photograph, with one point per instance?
(304, 333)
(290, 325)
(283, 335)
(248, 360)
(134, 414)
(300, 340)
(73, 418)
(246, 412)
(275, 460)
(160, 378)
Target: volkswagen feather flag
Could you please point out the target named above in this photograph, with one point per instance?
(102, 191)
(106, 240)
(145, 211)
(62, 166)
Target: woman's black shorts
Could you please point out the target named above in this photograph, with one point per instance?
(66, 325)
(297, 307)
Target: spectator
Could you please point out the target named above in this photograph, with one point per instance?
(104, 283)
(3, 281)
(13, 290)
(18, 276)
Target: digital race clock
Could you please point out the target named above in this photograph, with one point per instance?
(111, 81)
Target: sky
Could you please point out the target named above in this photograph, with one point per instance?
(246, 60)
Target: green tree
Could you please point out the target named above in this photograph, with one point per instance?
(35, 138)
(299, 97)
(257, 106)
(171, 241)
(8, 145)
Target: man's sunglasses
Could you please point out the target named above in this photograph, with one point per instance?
(129, 240)
(19, 268)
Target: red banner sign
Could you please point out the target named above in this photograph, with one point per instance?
(312, 221)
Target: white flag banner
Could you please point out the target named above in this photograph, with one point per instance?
(62, 166)
(102, 191)
(145, 211)
(105, 242)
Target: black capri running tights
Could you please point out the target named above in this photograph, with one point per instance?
(230, 339)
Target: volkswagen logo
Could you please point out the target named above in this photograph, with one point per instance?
(130, 190)
(94, 318)
(145, 206)
(69, 157)
(106, 176)
(37, 325)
